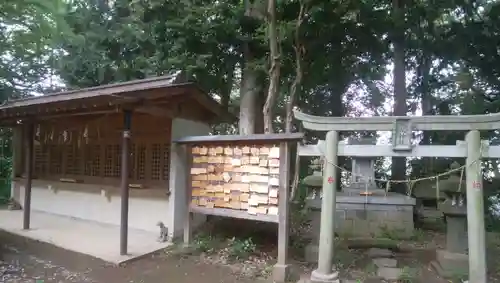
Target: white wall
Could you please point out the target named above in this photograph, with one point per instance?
(177, 202)
(143, 213)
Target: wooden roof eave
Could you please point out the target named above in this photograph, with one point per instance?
(79, 106)
(284, 137)
(98, 91)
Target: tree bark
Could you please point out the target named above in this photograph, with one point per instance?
(228, 83)
(274, 69)
(294, 89)
(250, 92)
(251, 83)
(426, 105)
(400, 94)
(299, 73)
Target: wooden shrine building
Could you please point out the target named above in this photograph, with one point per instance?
(93, 153)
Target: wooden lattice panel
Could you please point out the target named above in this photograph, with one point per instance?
(56, 160)
(117, 160)
(92, 160)
(244, 178)
(90, 147)
(69, 153)
(156, 155)
(40, 160)
(108, 161)
(141, 162)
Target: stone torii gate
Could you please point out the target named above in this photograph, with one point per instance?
(473, 149)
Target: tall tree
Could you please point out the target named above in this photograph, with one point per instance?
(274, 67)
(27, 33)
(399, 77)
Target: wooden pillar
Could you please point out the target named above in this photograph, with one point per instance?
(127, 117)
(281, 270)
(188, 217)
(325, 271)
(29, 174)
(475, 209)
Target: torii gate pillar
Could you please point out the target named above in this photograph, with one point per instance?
(475, 209)
(325, 271)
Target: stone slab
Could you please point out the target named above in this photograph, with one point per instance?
(389, 273)
(311, 253)
(385, 262)
(380, 253)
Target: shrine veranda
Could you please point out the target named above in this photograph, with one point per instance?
(105, 153)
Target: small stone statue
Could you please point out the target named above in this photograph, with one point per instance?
(14, 205)
(163, 232)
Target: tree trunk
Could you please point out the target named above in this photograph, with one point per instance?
(426, 105)
(228, 83)
(250, 93)
(294, 89)
(251, 86)
(299, 73)
(400, 95)
(274, 68)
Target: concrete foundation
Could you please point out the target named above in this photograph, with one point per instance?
(95, 239)
(363, 216)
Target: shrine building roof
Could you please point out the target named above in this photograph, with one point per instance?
(166, 94)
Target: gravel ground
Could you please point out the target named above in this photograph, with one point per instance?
(26, 261)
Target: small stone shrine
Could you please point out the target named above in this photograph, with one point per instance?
(427, 200)
(454, 260)
(363, 172)
(363, 209)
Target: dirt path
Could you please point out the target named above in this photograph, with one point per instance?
(26, 261)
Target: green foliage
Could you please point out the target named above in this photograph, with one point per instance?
(300, 225)
(28, 30)
(409, 275)
(5, 165)
(450, 49)
(241, 249)
(204, 243)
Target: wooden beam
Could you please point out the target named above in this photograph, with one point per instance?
(43, 118)
(155, 111)
(459, 150)
(281, 270)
